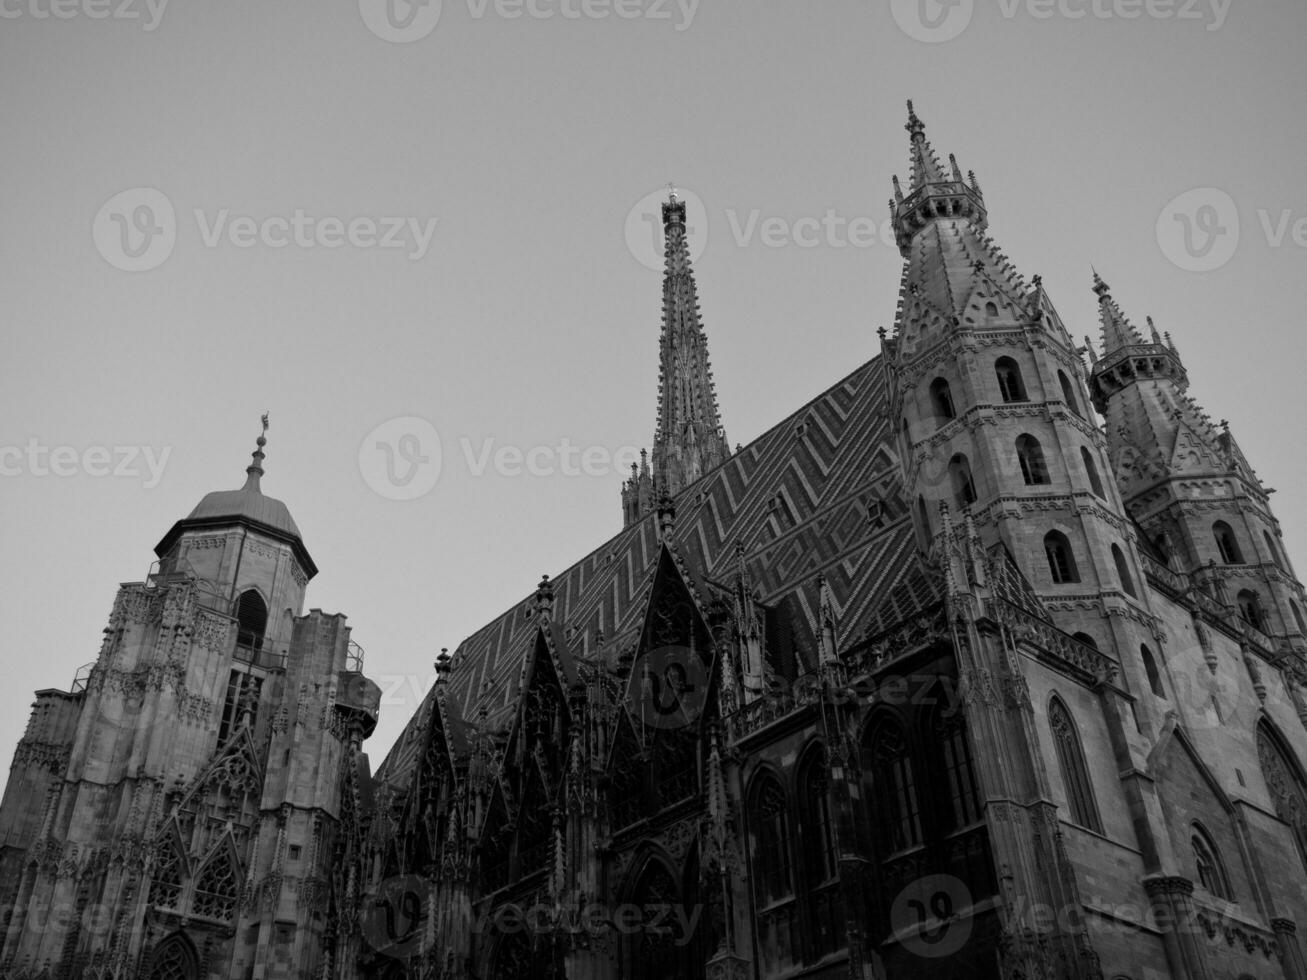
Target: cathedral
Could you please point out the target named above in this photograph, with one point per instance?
(988, 662)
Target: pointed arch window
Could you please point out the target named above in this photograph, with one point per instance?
(166, 882)
(964, 486)
(817, 834)
(1284, 781)
(1069, 393)
(1275, 553)
(1071, 761)
(959, 773)
(1211, 871)
(251, 620)
(1061, 559)
(1298, 618)
(1123, 571)
(216, 888)
(1250, 609)
(1011, 386)
(1227, 545)
(173, 959)
(894, 784)
(1150, 669)
(1030, 456)
(1091, 471)
(941, 400)
(768, 817)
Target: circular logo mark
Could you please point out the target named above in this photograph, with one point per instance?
(400, 21)
(933, 21)
(136, 230)
(925, 916)
(1199, 230)
(645, 236)
(668, 688)
(400, 459)
(394, 922)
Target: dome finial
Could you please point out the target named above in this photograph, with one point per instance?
(255, 469)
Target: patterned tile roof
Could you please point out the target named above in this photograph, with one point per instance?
(818, 494)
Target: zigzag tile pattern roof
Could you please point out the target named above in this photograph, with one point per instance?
(820, 493)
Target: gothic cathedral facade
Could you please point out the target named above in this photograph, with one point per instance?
(941, 676)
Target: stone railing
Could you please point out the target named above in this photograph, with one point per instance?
(1079, 657)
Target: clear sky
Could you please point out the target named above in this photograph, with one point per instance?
(525, 319)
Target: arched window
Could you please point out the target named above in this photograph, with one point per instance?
(941, 399)
(950, 734)
(1150, 668)
(1095, 482)
(1211, 872)
(923, 515)
(1297, 617)
(216, 888)
(1123, 571)
(1010, 385)
(173, 959)
(991, 310)
(166, 883)
(768, 819)
(894, 785)
(1069, 394)
(1030, 456)
(768, 814)
(1086, 639)
(251, 620)
(1284, 781)
(1250, 608)
(1061, 560)
(817, 834)
(1071, 761)
(656, 953)
(1272, 550)
(964, 487)
(1227, 544)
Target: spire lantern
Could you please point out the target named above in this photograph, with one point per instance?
(1126, 355)
(934, 193)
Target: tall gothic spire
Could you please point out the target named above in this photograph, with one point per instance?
(934, 192)
(688, 439)
(1118, 332)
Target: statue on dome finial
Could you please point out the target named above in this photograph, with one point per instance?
(671, 192)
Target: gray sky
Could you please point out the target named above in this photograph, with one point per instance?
(528, 318)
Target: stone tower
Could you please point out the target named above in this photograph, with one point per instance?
(180, 811)
(1185, 481)
(994, 412)
(689, 439)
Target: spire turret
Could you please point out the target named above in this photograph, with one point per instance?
(689, 439)
(1126, 356)
(934, 192)
(1118, 332)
